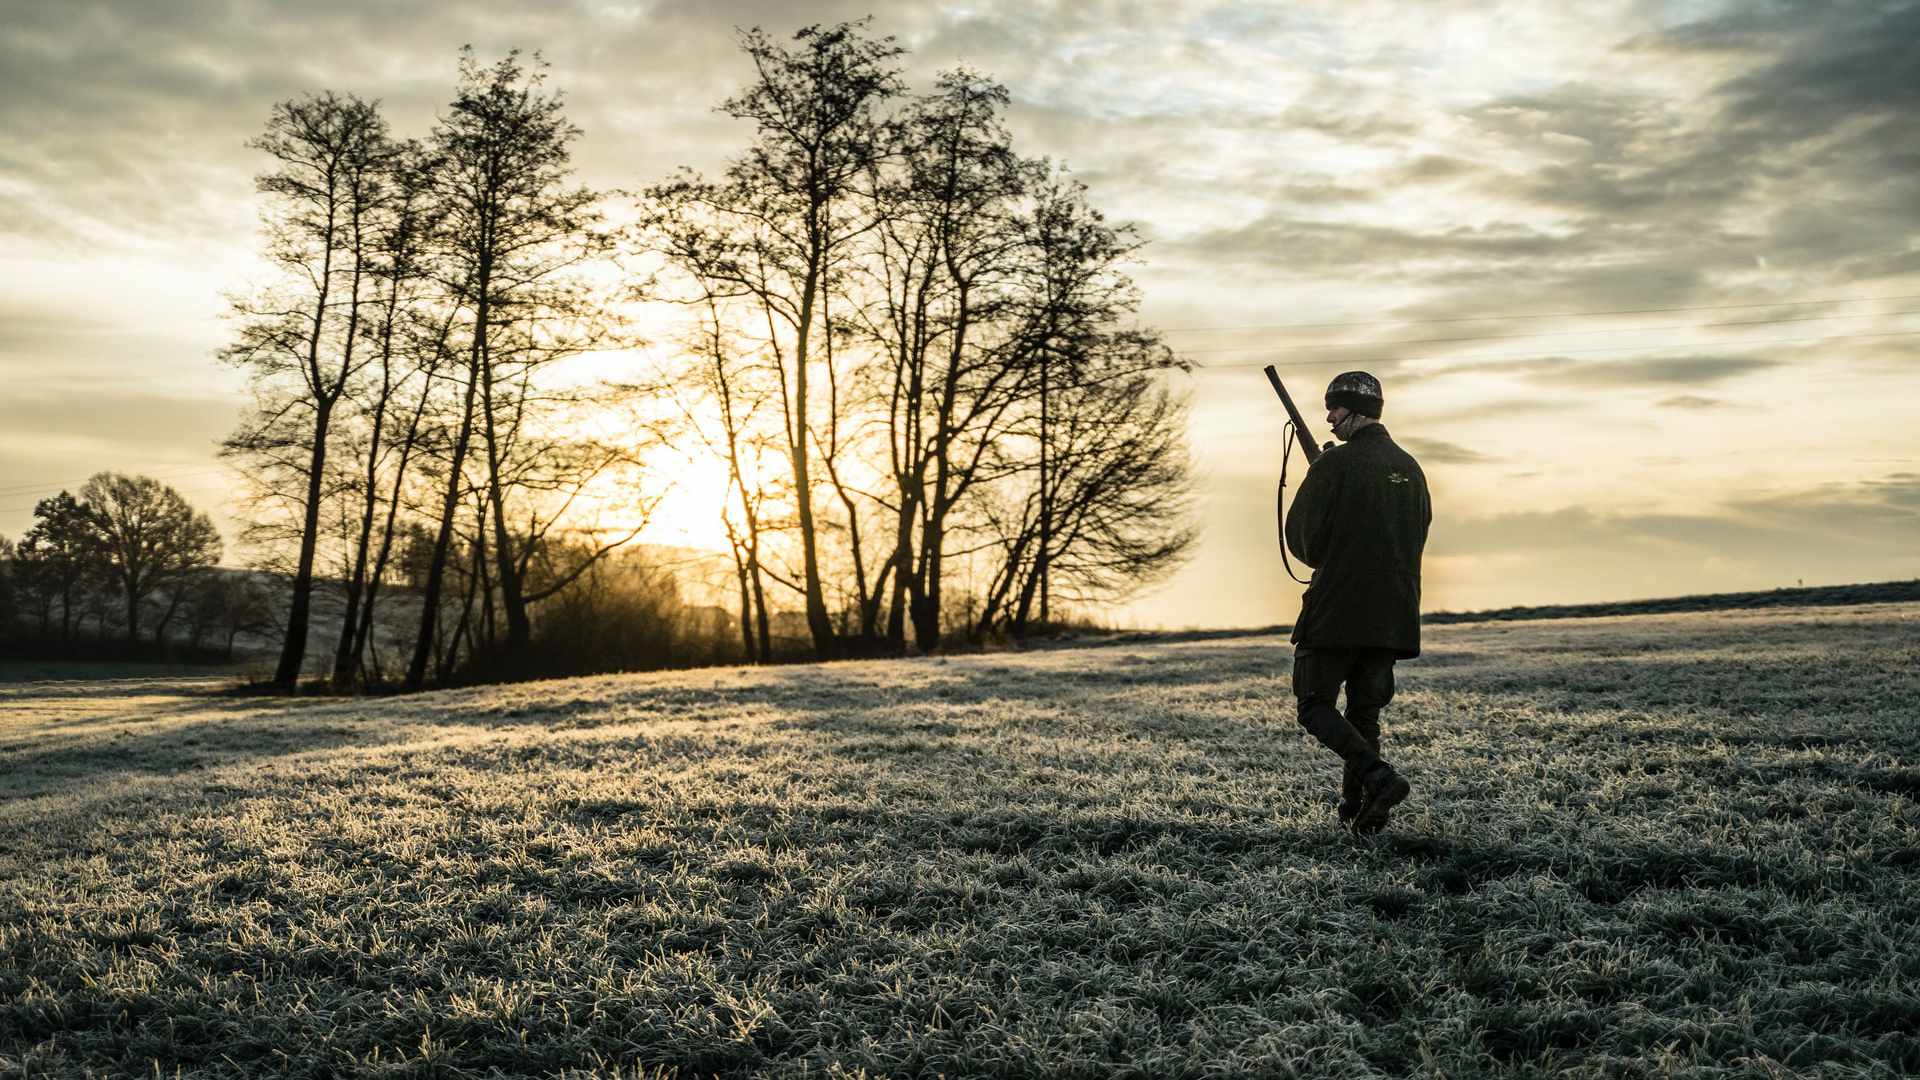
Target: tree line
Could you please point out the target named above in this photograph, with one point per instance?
(126, 561)
(914, 350)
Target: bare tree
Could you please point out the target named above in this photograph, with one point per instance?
(513, 232)
(955, 297)
(773, 232)
(228, 603)
(1116, 511)
(1080, 307)
(301, 340)
(150, 539)
(719, 398)
(406, 354)
(946, 261)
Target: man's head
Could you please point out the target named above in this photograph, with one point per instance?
(1354, 400)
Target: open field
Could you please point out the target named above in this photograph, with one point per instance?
(1658, 845)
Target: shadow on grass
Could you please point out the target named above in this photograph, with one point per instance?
(242, 729)
(137, 730)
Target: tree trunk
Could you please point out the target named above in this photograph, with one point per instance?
(166, 617)
(1042, 557)
(817, 621)
(293, 651)
(763, 621)
(464, 627)
(363, 635)
(746, 604)
(1024, 609)
(346, 653)
(1003, 583)
(423, 646)
(489, 624)
(512, 597)
(343, 652)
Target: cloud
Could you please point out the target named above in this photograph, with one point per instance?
(1346, 124)
(1437, 452)
(137, 115)
(1862, 507)
(1299, 162)
(1664, 371)
(1302, 245)
(1323, 192)
(1861, 523)
(1600, 151)
(1578, 373)
(1434, 168)
(1637, 280)
(1838, 63)
(1797, 149)
(1499, 407)
(136, 427)
(1690, 401)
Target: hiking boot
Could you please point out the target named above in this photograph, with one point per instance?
(1350, 793)
(1381, 790)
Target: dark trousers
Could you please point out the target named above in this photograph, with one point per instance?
(1367, 673)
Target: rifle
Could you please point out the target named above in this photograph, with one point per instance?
(1308, 447)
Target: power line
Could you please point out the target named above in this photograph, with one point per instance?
(1548, 315)
(1550, 334)
(1557, 352)
(183, 491)
(157, 471)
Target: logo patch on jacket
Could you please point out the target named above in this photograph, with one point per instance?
(1398, 478)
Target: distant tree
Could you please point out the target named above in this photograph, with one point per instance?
(59, 559)
(228, 603)
(8, 599)
(303, 341)
(178, 595)
(203, 609)
(411, 562)
(149, 539)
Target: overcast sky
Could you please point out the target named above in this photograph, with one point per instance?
(1460, 188)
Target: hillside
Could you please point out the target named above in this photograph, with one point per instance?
(1880, 592)
(1645, 846)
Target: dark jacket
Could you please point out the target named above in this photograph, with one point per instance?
(1361, 521)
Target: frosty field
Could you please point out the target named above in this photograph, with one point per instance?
(1639, 846)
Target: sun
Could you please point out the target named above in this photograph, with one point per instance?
(691, 512)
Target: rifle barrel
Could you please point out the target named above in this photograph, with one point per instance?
(1307, 444)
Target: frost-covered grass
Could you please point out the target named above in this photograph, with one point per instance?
(1644, 846)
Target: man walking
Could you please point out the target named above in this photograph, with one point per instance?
(1361, 521)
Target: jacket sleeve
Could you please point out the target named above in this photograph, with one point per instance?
(1310, 518)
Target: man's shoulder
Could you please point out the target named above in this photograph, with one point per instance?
(1370, 441)
(1402, 453)
(1383, 443)
(1387, 458)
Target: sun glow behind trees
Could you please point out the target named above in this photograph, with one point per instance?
(891, 368)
